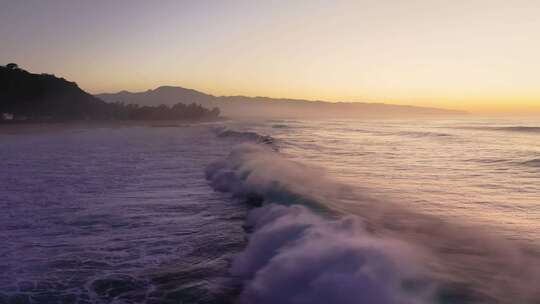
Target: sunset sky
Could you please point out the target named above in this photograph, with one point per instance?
(481, 56)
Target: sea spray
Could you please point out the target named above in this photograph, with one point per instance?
(462, 264)
(295, 255)
(253, 170)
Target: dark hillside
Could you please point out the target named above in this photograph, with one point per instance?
(43, 97)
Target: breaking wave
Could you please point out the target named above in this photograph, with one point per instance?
(519, 129)
(315, 240)
(532, 163)
(412, 134)
(419, 134)
(296, 255)
(245, 135)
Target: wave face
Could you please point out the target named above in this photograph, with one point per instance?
(323, 233)
(253, 170)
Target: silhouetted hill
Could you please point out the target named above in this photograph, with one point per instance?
(237, 106)
(44, 97)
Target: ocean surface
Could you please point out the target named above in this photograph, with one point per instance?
(276, 211)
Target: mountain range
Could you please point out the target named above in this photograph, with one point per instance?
(242, 106)
(47, 97)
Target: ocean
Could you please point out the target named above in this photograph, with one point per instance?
(275, 211)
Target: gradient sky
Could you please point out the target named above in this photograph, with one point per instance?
(476, 55)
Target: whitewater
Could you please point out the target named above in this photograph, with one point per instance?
(277, 211)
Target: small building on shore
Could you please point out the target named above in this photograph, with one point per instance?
(6, 116)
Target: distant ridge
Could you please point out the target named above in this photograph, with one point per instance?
(166, 95)
(242, 106)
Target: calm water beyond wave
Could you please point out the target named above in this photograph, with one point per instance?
(416, 211)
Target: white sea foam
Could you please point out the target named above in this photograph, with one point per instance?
(295, 256)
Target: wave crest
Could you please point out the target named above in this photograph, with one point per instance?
(259, 171)
(245, 135)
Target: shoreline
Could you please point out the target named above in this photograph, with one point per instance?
(18, 127)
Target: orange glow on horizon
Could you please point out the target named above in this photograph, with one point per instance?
(478, 56)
